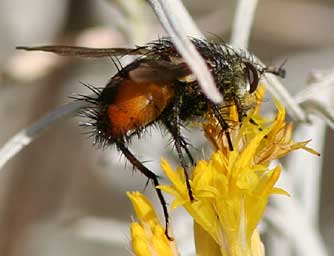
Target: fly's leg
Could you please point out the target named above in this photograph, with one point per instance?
(151, 176)
(243, 114)
(172, 123)
(174, 129)
(184, 145)
(223, 124)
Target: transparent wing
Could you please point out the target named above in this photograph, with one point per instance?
(86, 52)
(158, 71)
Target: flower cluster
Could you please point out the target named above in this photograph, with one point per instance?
(148, 236)
(231, 189)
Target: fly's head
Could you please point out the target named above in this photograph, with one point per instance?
(244, 82)
(238, 75)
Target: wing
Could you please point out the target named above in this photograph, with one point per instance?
(86, 52)
(158, 71)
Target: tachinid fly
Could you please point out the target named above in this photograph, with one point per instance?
(158, 87)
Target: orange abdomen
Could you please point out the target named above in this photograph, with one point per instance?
(135, 105)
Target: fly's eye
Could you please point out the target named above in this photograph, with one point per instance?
(251, 76)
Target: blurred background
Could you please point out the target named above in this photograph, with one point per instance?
(63, 196)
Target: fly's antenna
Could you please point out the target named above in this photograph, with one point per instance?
(279, 71)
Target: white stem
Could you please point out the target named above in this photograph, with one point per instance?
(242, 23)
(27, 135)
(280, 92)
(289, 219)
(179, 25)
(306, 170)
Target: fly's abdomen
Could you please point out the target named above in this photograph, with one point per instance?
(136, 105)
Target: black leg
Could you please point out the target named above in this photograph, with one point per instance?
(183, 143)
(151, 176)
(241, 112)
(173, 125)
(223, 124)
(174, 128)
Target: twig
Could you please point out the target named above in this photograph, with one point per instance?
(307, 180)
(319, 93)
(281, 93)
(298, 229)
(27, 135)
(290, 217)
(242, 23)
(179, 25)
(319, 109)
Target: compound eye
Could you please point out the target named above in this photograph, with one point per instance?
(251, 76)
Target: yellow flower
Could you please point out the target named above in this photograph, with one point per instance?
(148, 236)
(232, 188)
